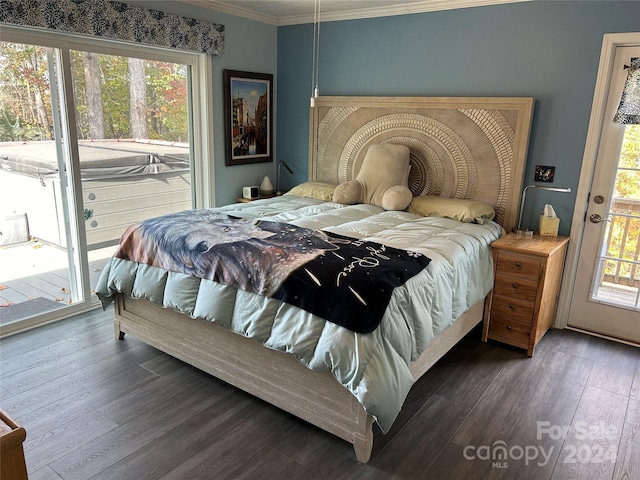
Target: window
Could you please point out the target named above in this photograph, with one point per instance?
(95, 135)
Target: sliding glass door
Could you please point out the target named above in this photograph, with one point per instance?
(133, 145)
(40, 271)
(92, 139)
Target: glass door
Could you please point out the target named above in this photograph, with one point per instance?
(618, 266)
(606, 295)
(39, 241)
(90, 143)
(132, 118)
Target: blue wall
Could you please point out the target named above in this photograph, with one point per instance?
(546, 50)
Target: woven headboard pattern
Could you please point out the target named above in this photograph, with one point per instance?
(460, 147)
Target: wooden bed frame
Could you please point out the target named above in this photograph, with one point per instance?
(460, 147)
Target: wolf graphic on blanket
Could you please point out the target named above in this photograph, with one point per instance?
(340, 279)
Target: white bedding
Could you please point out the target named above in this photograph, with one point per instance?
(374, 367)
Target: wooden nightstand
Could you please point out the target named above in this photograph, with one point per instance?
(521, 307)
(247, 200)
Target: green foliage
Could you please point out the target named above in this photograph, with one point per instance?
(624, 230)
(25, 96)
(628, 178)
(24, 85)
(115, 96)
(9, 127)
(167, 101)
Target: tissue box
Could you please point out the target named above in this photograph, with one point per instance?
(549, 226)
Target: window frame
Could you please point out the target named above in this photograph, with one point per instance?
(200, 91)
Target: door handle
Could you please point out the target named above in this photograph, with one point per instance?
(595, 218)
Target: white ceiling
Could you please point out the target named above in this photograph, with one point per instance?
(292, 12)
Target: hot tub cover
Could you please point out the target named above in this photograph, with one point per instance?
(98, 159)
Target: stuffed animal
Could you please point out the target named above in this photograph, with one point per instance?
(382, 179)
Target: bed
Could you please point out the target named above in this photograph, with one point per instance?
(324, 373)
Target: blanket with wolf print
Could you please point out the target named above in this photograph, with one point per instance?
(343, 280)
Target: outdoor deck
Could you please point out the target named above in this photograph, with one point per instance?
(34, 278)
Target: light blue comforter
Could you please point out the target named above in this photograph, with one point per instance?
(373, 367)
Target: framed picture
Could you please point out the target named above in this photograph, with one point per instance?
(248, 105)
(544, 173)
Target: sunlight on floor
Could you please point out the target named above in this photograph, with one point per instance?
(34, 257)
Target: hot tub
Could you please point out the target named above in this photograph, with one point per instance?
(123, 182)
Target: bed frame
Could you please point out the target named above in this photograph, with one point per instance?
(460, 148)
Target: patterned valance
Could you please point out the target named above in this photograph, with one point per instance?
(118, 21)
(629, 109)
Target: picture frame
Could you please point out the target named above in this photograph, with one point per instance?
(544, 173)
(248, 112)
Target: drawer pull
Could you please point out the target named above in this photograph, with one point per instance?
(512, 306)
(518, 264)
(508, 327)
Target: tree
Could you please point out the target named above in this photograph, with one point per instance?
(114, 96)
(25, 95)
(623, 236)
(138, 99)
(167, 101)
(93, 86)
(628, 177)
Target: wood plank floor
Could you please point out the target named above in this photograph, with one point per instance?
(97, 408)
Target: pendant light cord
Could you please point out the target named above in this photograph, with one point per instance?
(316, 51)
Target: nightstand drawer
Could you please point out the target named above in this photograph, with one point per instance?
(528, 267)
(509, 331)
(515, 287)
(512, 308)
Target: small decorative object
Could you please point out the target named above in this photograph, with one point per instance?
(549, 222)
(266, 187)
(251, 193)
(247, 111)
(544, 173)
(382, 179)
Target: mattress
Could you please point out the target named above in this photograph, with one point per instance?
(374, 367)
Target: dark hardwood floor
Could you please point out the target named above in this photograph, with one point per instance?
(95, 408)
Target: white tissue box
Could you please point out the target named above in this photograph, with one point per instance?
(549, 226)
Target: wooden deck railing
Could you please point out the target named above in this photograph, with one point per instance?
(622, 244)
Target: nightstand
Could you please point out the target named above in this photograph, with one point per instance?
(247, 200)
(521, 307)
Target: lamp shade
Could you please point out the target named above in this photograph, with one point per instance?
(266, 187)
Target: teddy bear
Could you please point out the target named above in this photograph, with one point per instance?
(382, 179)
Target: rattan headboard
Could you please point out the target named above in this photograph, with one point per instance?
(460, 147)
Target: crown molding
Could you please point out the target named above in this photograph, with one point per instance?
(226, 7)
(407, 8)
